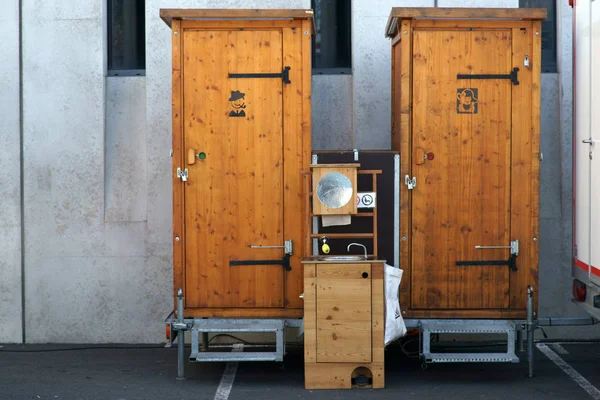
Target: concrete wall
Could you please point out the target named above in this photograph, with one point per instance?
(332, 112)
(97, 187)
(10, 176)
(87, 278)
(125, 159)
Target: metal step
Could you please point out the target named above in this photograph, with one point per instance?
(222, 356)
(471, 327)
(469, 357)
(232, 325)
(228, 328)
(468, 326)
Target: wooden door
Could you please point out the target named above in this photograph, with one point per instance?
(233, 133)
(461, 159)
(343, 295)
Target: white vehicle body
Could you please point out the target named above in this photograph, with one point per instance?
(586, 156)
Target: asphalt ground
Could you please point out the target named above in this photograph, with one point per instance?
(142, 372)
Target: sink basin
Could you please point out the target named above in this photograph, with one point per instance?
(349, 257)
(343, 258)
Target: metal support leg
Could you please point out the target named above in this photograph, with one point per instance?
(180, 338)
(530, 329)
(204, 341)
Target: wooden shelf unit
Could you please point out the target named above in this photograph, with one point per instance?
(309, 215)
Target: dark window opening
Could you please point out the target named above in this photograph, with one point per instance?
(548, 32)
(126, 37)
(331, 49)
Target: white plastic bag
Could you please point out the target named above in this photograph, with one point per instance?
(394, 323)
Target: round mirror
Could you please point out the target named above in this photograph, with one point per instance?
(334, 190)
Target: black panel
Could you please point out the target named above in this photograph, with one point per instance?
(383, 160)
(126, 37)
(331, 46)
(548, 32)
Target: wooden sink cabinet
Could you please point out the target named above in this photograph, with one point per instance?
(343, 324)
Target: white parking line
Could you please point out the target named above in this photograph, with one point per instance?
(228, 377)
(567, 369)
(570, 343)
(559, 349)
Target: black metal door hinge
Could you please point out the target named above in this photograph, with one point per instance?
(513, 76)
(285, 75)
(512, 262)
(284, 262)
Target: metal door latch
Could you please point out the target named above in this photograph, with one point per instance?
(513, 76)
(511, 262)
(183, 175)
(514, 247)
(284, 75)
(284, 262)
(411, 183)
(589, 141)
(287, 246)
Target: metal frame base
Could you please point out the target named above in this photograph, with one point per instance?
(514, 329)
(229, 325)
(203, 326)
(474, 327)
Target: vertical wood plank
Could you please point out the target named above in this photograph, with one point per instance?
(460, 160)
(378, 313)
(306, 129)
(177, 161)
(310, 313)
(422, 49)
(404, 109)
(293, 156)
(525, 162)
(536, 92)
(306, 91)
(307, 106)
